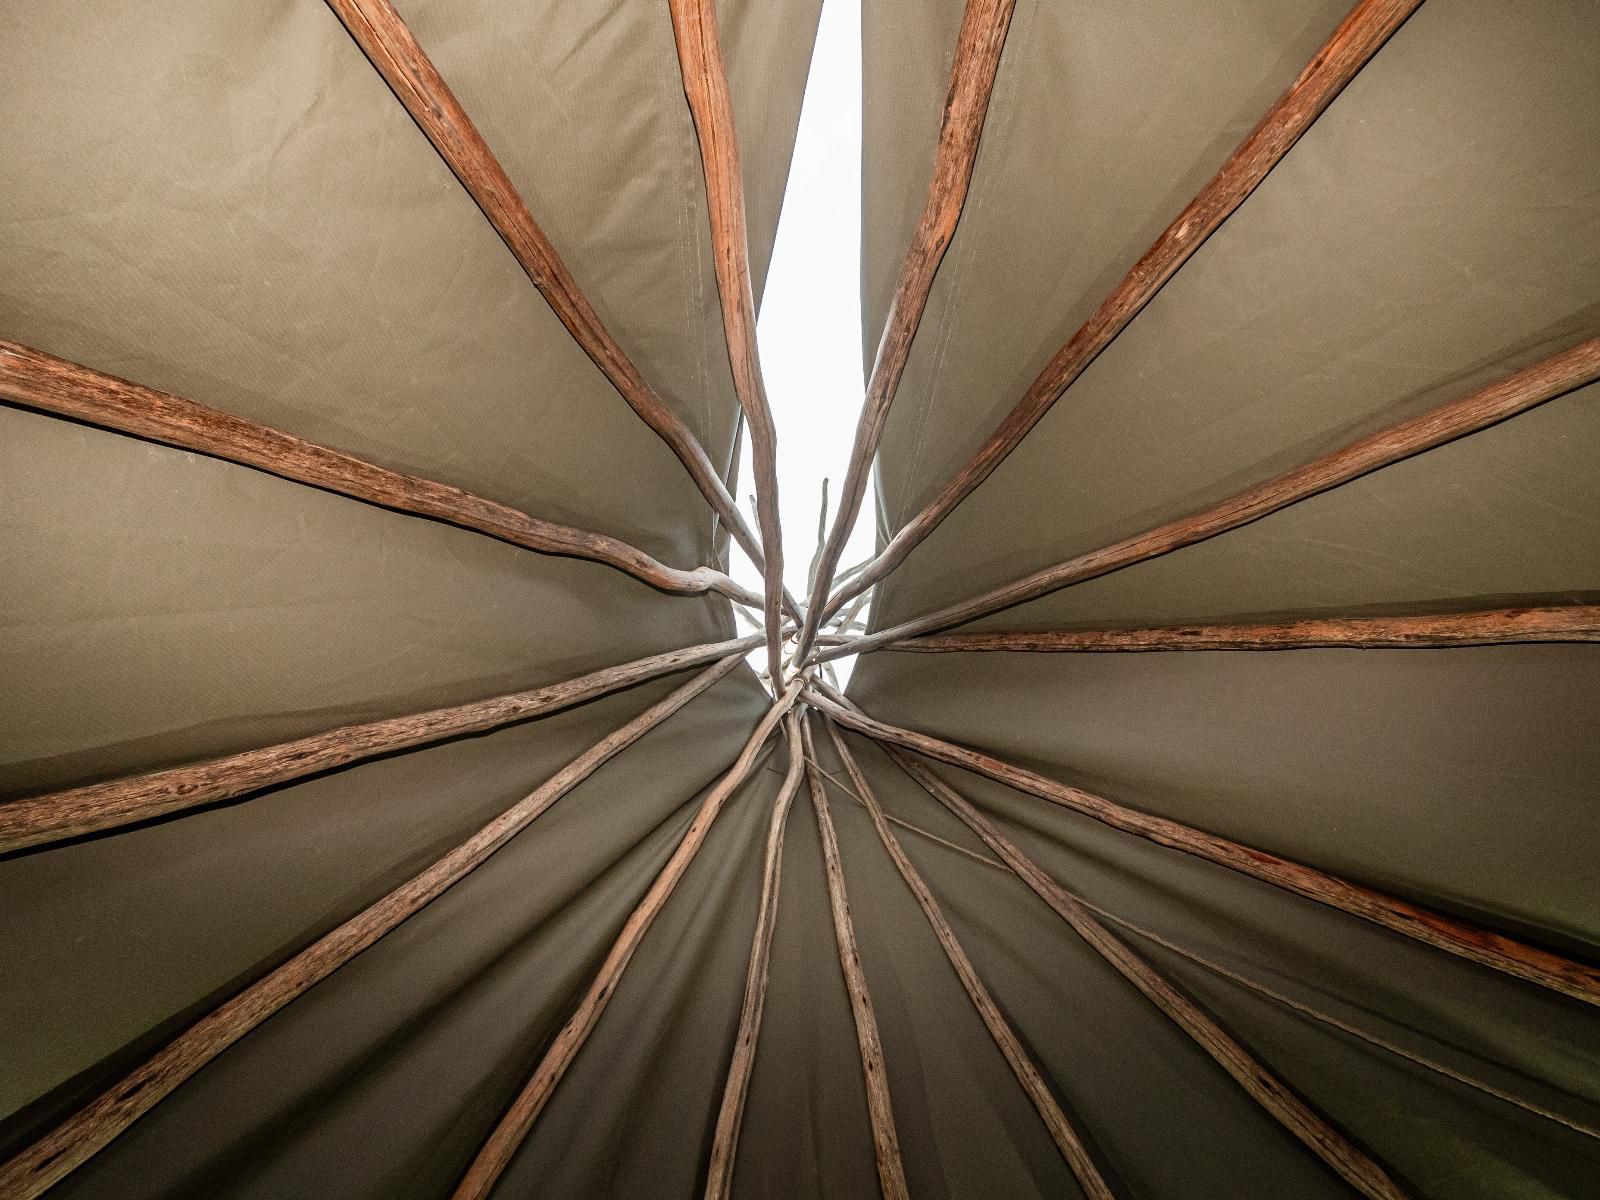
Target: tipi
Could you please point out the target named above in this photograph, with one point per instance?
(388, 809)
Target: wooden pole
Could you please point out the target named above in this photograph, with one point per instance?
(925, 834)
(725, 1141)
(977, 60)
(89, 1130)
(56, 816)
(1261, 989)
(514, 1125)
(1310, 1127)
(1065, 1136)
(705, 84)
(1315, 1014)
(1485, 627)
(387, 42)
(38, 380)
(880, 1111)
(1474, 943)
(1364, 30)
(1516, 393)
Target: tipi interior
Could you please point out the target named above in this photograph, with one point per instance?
(393, 804)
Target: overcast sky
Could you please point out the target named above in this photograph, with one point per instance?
(810, 324)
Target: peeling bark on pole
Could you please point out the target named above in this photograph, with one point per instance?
(705, 84)
(977, 60)
(1486, 627)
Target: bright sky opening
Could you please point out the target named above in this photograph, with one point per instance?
(809, 329)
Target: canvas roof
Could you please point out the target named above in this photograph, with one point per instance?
(228, 203)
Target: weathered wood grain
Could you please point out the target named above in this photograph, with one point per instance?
(388, 43)
(1494, 950)
(1363, 31)
(705, 84)
(1066, 1137)
(880, 1111)
(514, 1125)
(54, 385)
(1516, 393)
(730, 1116)
(89, 1130)
(977, 60)
(1483, 627)
(1310, 1127)
(55, 816)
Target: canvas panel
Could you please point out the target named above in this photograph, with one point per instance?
(230, 204)
(1105, 119)
(1461, 777)
(1167, 1119)
(177, 607)
(419, 1042)
(1432, 232)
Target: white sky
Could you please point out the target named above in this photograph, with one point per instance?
(810, 324)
